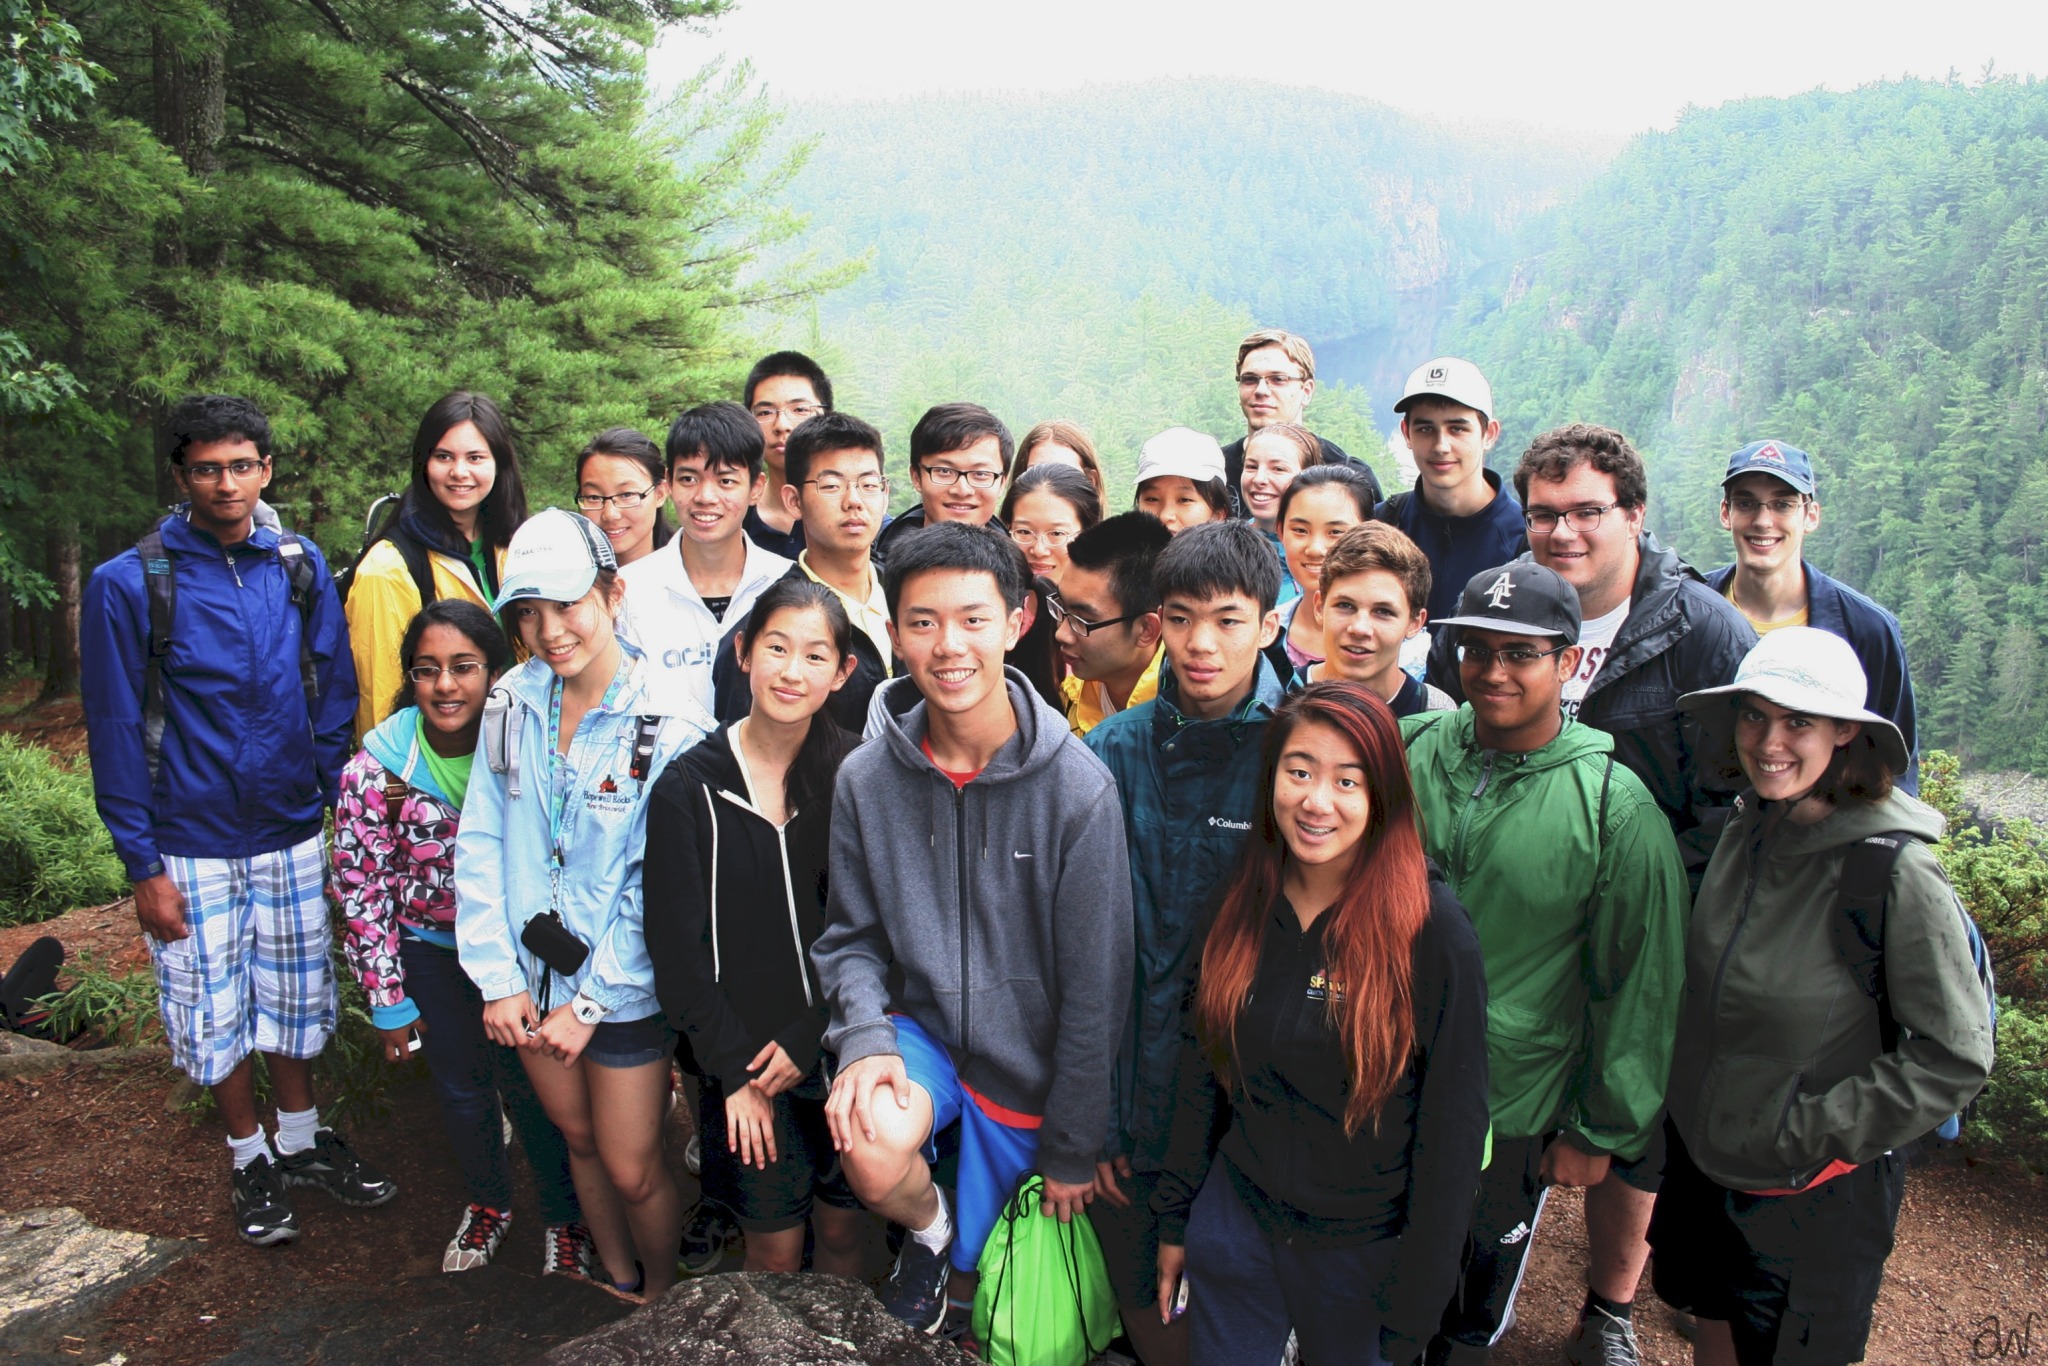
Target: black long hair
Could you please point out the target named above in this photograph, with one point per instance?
(504, 507)
(630, 443)
(816, 766)
(479, 626)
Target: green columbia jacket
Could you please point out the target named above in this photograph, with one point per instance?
(1779, 1070)
(1582, 928)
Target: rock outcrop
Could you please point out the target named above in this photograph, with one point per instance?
(748, 1320)
(57, 1269)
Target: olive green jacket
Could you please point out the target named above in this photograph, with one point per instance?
(1779, 1070)
(1582, 929)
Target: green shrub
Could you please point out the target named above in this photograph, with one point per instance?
(54, 853)
(2011, 1118)
(100, 1007)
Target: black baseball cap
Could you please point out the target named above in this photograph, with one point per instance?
(1522, 598)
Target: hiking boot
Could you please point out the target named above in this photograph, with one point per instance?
(566, 1250)
(334, 1167)
(263, 1215)
(916, 1288)
(707, 1232)
(476, 1238)
(1602, 1340)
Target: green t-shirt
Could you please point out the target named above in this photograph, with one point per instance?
(450, 775)
(480, 560)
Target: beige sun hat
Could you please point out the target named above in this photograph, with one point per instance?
(1807, 670)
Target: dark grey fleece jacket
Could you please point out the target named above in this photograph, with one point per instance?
(998, 916)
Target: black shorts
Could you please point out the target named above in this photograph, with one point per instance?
(806, 1167)
(1645, 1173)
(1794, 1276)
(1130, 1241)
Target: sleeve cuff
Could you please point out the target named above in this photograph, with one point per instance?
(145, 870)
(866, 1041)
(396, 1016)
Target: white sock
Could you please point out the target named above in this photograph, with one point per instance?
(247, 1150)
(940, 1231)
(295, 1130)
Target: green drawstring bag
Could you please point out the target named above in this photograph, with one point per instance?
(1044, 1297)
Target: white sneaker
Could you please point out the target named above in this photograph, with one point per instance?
(476, 1239)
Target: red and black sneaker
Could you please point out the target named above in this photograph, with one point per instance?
(566, 1250)
(476, 1239)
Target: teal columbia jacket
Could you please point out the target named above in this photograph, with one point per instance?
(1190, 793)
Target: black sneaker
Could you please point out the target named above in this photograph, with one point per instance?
(916, 1289)
(707, 1232)
(566, 1250)
(334, 1167)
(263, 1215)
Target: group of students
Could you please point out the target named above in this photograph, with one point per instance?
(1299, 881)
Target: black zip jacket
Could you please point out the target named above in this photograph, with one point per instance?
(732, 908)
(1413, 1175)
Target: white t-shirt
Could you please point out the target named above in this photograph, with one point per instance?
(1596, 638)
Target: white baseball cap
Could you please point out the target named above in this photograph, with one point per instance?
(555, 555)
(1448, 377)
(1182, 451)
(1811, 671)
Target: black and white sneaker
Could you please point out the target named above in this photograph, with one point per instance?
(707, 1232)
(263, 1215)
(334, 1167)
(476, 1240)
(566, 1250)
(1601, 1339)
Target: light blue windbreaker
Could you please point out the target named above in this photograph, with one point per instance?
(501, 851)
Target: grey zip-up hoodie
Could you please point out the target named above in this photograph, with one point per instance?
(997, 915)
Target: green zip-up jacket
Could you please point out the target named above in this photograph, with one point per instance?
(1581, 923)
(1779, 1069)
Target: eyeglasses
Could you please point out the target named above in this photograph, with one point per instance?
(210, 474)
(1744, 506)
(870, 487)
(1543, 521)
(591, 502)
(1051, 540)
(1514, 656)
(1251, 381)
(945, 476)
(428, 673)
(768, 412)
(1083, 627)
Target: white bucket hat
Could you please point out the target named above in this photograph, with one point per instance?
(1807, 670)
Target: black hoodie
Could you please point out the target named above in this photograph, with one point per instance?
(732, 907)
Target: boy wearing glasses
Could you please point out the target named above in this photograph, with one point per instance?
(680, 597)
(1276, 377)
(784, 390)
(219, 695)
(1575, 886)
(836, 486)
(1186, 766)
(1767, 503)
(1108, 615)
(958, 452)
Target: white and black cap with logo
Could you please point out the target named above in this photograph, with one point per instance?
(1448, 377)
(554, 555)
(1522, 599)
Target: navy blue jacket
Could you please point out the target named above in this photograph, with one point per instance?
(1189, 791)
(1835, 607)
(245, 771)
(1458, 548)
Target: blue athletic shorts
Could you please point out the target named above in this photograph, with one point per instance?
(996, 1145)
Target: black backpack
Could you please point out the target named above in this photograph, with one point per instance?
(162, 585)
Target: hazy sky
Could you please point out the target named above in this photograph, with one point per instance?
(1602, 65)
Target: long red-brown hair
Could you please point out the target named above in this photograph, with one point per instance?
(1370, 938)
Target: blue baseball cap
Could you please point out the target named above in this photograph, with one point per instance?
(1775, 458)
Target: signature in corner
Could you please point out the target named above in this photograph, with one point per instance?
(1995, 1342)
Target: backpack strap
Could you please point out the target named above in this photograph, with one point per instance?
(298, 573)
(395, 789)
(1859, 922)
(644, 739)
(501, 738)
(162, 587)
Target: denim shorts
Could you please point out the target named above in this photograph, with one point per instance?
(631, 1043)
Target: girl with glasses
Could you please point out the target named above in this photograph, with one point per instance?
(1047, 507)
(622, 485)
(394, 879)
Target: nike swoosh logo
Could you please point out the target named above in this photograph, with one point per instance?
(1019, 854)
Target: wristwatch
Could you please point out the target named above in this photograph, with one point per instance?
(586, 1010)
